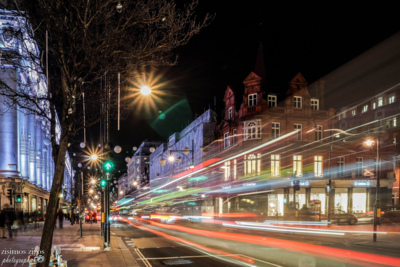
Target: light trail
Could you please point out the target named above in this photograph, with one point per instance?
(316, 250)
(244, 260)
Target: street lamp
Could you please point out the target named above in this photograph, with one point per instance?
(145, 90)
(377, 208)
(185, 151)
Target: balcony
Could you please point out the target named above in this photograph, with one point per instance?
(252, 110)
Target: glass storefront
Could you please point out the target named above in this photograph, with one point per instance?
(319, 194)
(300, 197)
(33, 204)
(341, 199)
(359, 200)
(275, 204)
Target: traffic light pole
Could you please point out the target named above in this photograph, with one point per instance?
(102, 213)
(107, 243)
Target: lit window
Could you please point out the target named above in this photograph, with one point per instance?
(297, 102)
(227, 170)
(230, 113)
(275, 130)
(391, 123)
(138, 169)
(275, 165)
(391, 99)
(318, 171)
(252, 165)
(353, 112)
(252, 100)
(365, 108)
(272, 100)
(318, 133)
(226, 140)
(380, 101)
(137, 161)
(315, 104)
(297, 166)
(374, 105)
(252, 130)
(298, 127)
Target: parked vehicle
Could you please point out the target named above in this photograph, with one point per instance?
(341, 216)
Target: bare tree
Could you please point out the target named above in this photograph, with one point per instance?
(79, 44)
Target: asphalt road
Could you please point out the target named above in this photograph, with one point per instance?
(204, 245)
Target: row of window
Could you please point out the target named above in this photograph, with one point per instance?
(272, 102)
(252, 130)
(380, 101)
(252, 166)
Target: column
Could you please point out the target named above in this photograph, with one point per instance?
(9, 140)
(24, 146)
(32, 148)
(39, 144)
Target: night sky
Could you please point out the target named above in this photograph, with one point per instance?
(313, 40)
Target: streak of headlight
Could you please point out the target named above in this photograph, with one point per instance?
(337, 254)
(225, 160)
(281, 229)
(266, 227)
(177, 239)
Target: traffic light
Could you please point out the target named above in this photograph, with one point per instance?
(108, 166)
(10, 195)
(296, 185)
(103, 183)
(18, 199)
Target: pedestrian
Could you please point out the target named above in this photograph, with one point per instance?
(72, 218)
(10, 217)
(60, 214)
(2, 223)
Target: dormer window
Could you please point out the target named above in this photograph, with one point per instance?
(272, 100)
(252, 100)
(230, 113)
(297, 102)
(315, 104)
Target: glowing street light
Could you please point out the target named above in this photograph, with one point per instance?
(145, 90)
(91, 191)
(94, 157)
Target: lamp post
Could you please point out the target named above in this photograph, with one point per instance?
(185, 151)
(377, 208)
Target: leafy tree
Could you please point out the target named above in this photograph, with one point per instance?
(81, 47)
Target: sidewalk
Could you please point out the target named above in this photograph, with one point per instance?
(78, 251)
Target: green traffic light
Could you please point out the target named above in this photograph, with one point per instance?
(108, 165)
(103, 183)
(18, 198)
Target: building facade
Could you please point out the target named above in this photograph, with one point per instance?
(27, 167)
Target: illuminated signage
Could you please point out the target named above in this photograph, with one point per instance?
(362, 183)
(302, 183)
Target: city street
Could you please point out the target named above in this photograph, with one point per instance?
(149, 243)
